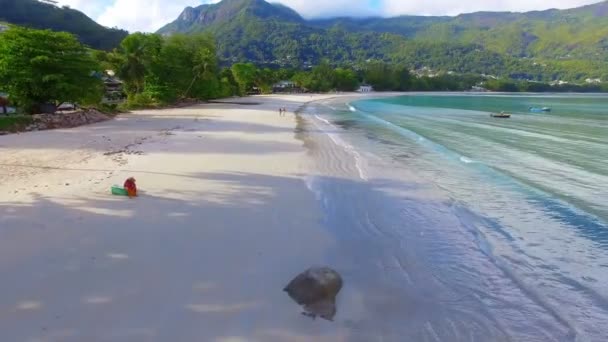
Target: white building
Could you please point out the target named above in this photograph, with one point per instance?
(479, 89)
(365, 88)
(593, 80)
(284, 85)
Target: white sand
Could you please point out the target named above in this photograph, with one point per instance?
(224, 221)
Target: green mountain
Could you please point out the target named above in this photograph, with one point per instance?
(266, 33)
(204, 16)
(553, 33)
(40, 15)
(542, 45)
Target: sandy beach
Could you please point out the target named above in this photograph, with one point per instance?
(236, 200)
(224, 220)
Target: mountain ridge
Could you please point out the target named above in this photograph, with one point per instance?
(39, 15)
(540, 45)
(206, 15)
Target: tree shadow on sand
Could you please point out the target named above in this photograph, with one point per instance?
(211, 266)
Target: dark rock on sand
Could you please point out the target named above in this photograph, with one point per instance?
(316, 290)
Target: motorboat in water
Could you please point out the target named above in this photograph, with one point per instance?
(501, 115)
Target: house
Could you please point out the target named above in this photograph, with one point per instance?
(593, 81)
(286, 87)
(254, 91)
(113, 88)
(478, 89)
(365, 88)
(4, 108)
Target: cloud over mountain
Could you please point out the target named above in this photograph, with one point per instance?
(149, 15)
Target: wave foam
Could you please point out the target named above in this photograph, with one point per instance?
(359, 162)
(466, 160)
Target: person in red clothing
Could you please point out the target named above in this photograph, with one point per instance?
(131, 187)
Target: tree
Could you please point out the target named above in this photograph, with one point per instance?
(186, 67)
(160, 70)
(403, 78)
(502, 85)
(245, 76)
(303, 80)
(323, 77)
(346, 80)
(41, 67)
(265, 79)
(204, 66)
(228, 85)
(137, 53)
(380, 76)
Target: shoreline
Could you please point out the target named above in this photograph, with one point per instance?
(445, 231)
(238, 199)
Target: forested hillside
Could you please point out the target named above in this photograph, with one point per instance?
(544, 45)
(42, 15)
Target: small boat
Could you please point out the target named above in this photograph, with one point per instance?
(501, 115)
(539, 109)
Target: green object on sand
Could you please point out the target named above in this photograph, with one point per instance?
(119, 191)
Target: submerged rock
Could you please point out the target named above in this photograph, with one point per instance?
(316, 290)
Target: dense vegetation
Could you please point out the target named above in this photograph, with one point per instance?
(556, 34)
(41, 69)
(160, 70)
(540, 46)
(36, 14)
(384, 76)
(14, 123)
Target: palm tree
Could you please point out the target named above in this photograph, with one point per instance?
(138, 52)
(204, 63)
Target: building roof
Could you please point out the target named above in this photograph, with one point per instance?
(284, 83)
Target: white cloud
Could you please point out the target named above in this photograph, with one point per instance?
(328, 8)
(451, 7)
(150, 15)
(143, 15)
(91, 8)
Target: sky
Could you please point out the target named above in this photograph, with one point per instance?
(150, 15)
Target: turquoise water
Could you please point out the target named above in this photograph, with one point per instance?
(564, 153)
(516, 218)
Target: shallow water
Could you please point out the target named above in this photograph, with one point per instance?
(479, 228)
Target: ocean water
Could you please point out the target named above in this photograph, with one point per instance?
(462, 227)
